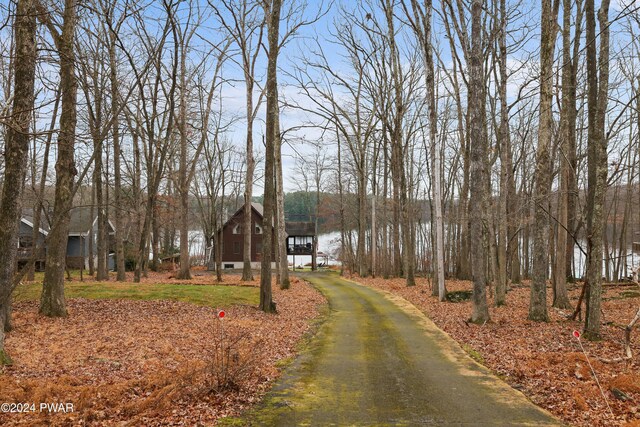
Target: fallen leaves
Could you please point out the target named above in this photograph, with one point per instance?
(144, 361)
(544, 360)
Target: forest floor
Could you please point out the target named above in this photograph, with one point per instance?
(544, 360)
(150, 356)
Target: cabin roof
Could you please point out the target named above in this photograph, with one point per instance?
(258, 207)
(29, 222)
(300, 228)
(292, 228)
(82, 221)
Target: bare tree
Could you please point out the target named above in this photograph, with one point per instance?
(420, 20)
(188, 161)
(52, 301)
(246, 28)
(153, 124)
(112, 26)
(479, 166)
(564, 245)
(16, 154)
(538, 301)
(340, 101)
(282, 259)
(93, 83)
(598, 87)
(271, 134)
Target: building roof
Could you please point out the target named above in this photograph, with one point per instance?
(293, 228)
(29, 222)
(82, 221)
(258, 207)
(300, 228)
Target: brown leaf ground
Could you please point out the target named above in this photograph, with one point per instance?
(544, 360)
(147, 362)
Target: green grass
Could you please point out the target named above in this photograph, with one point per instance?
(206, 295)
(459, 296)
(475, 354)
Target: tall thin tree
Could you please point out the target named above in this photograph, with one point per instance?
(16, 153)
(271, 128)
(538, 299)
(478, 168)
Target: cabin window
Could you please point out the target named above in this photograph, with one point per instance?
(258, 229)
(237, 229)
(228, 266)
(25, 242)
(258, 247)
(236, 247)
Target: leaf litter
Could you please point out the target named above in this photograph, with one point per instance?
(149, 362)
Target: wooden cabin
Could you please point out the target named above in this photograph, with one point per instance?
(232, 236)
(83, 232)
(300, 241)
(83, 239)
(26, 245)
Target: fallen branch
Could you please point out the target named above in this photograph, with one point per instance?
(578, 309)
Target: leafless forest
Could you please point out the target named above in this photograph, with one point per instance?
(483, 140)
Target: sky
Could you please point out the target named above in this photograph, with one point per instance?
(233, 92)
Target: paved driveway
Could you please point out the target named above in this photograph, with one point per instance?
(378, 361)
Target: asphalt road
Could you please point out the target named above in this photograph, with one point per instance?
(378, 361)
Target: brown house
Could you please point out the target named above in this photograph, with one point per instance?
(232, 235)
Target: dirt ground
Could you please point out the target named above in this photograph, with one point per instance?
(544, 360)
(150, 362)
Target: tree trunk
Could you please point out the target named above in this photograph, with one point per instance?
(399, 149)
(285, 282)
(435, 149)
(597, 162)
(38, 206)
(185, 268)
(101, 240)
(90, 238)
(117, 174)
(571, 154)
(362, 221)
(478, 168)
(560, 295)
(343, 235)
(505, 166)
(16, 154)
(247, 274)
(422, 27)
(271, 130)
(52, 301)
(538, 299)
(374, 243)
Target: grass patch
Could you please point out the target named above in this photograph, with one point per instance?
(622, 295)
(473, 353)
(206, 295)
(629, 294)
(459, 296)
